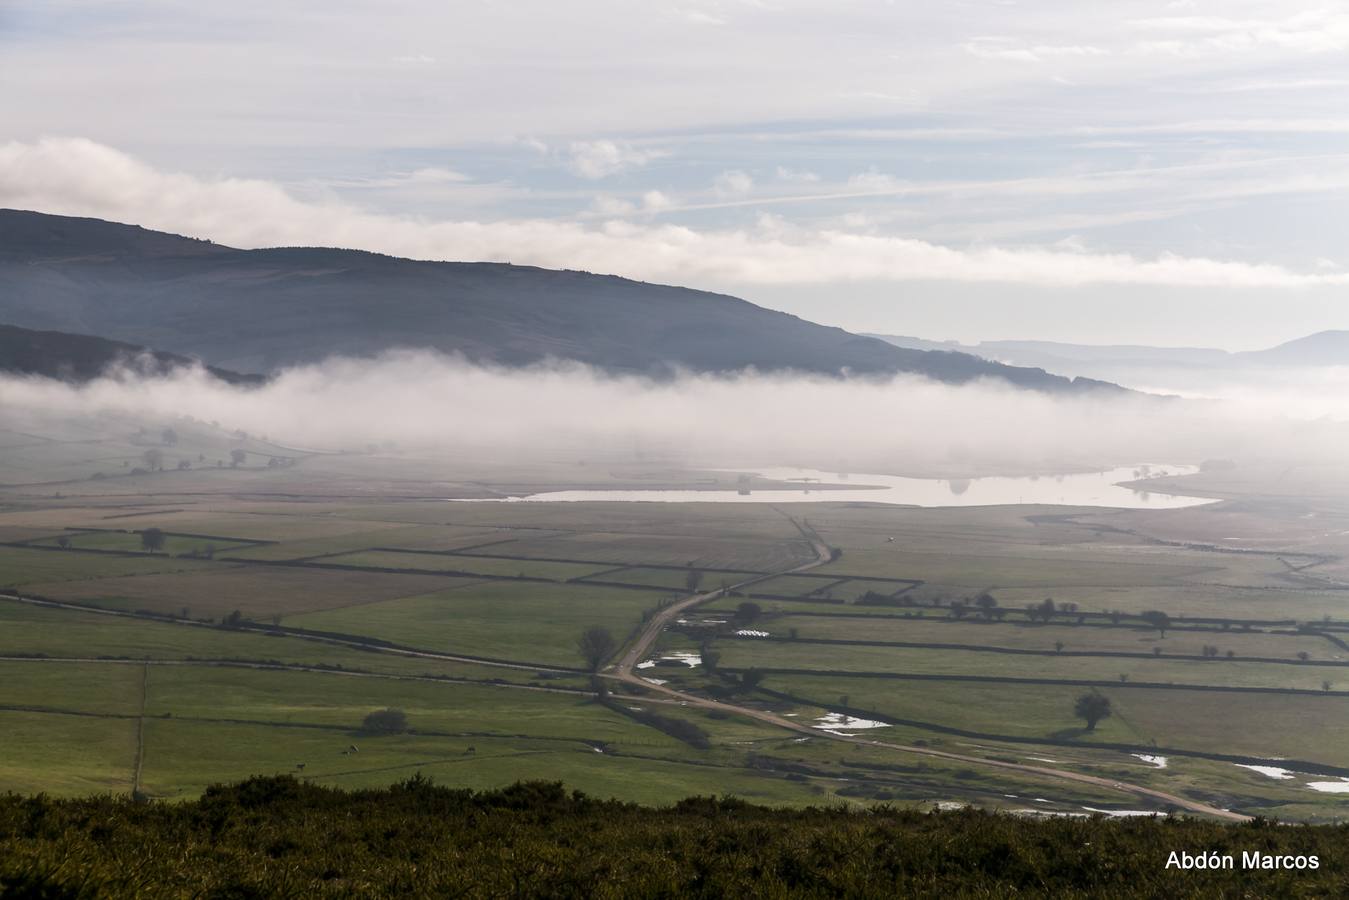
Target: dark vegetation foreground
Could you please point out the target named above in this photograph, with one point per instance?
(280, 837)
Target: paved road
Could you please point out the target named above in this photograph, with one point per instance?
(624, 670)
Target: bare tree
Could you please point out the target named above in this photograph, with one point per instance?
(693, 579)
(595, 645)
(154, 458)
(237, 458)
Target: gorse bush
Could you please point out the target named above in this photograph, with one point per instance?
(273, 837)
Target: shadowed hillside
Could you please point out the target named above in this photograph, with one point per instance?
(257, 310)
(79, 357)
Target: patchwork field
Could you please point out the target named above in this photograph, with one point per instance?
(335, 590)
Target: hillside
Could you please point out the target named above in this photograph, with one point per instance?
(258, 310)
(79, 357)
(1325, 348)
(276, 837)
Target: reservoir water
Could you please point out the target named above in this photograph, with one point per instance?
(1079, 489)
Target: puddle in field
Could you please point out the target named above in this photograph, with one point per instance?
(1122, 813)
(1081, 489)
(840, 722)
(655, 680)
(690, 658)
(1330, 787)
(1158, 761)
(1269, 771)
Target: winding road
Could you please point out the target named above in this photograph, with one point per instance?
(625, 671)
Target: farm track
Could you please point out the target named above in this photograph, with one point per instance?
(623, 671)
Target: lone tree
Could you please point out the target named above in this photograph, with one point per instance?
(748, 612)
(693, 579)
(152, 539)
(1092, 708)
(168, 437)
(385, 721)
(237, 458)
(987, 603)
(595, 645)
(154, 459)
(1157, 619)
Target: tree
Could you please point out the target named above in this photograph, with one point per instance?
(63, 542)
(1157, 619)
(748, 612)
(385, 721)
(184, 464)
(154, 458)
(710, 659)
(1303, 655)
(237, 458)
(152, 539)
(168, 437)
(595, 645)
(987, 603)
(1058, 646)
(1092, 708)
(751, 679)
(693, 579)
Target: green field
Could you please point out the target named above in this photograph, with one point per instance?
(223, 703)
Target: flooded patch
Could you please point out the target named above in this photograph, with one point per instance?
(1269, 771)
(1158, 761)
(1122, 813)
(840, 722)
(749, 632)
(646, 664)
(1045, 759)
(690, 658)
(655, 681)
(1330, 787)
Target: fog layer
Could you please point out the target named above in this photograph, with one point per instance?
(426, 403)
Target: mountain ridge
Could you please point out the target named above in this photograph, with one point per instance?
(265, 309)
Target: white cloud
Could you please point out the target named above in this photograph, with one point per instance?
(734, 183)
(80, 177)
(608, 205)
(602, 158)
(1005, 48)
(800, 176)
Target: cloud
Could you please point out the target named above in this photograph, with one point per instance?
(1005, 48)
(1313, 31)
(734, 183)
(600, 159)
(80, 177)
(799, 176)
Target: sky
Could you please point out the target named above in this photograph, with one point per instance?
(1170, 173)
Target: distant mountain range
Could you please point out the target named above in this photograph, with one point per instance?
(260, 310)
(1121, 362)
(79, 357)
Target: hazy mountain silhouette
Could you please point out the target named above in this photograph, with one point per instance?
(258, 310)
(80, 357)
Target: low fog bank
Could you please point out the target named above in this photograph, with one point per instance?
(424, 403)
